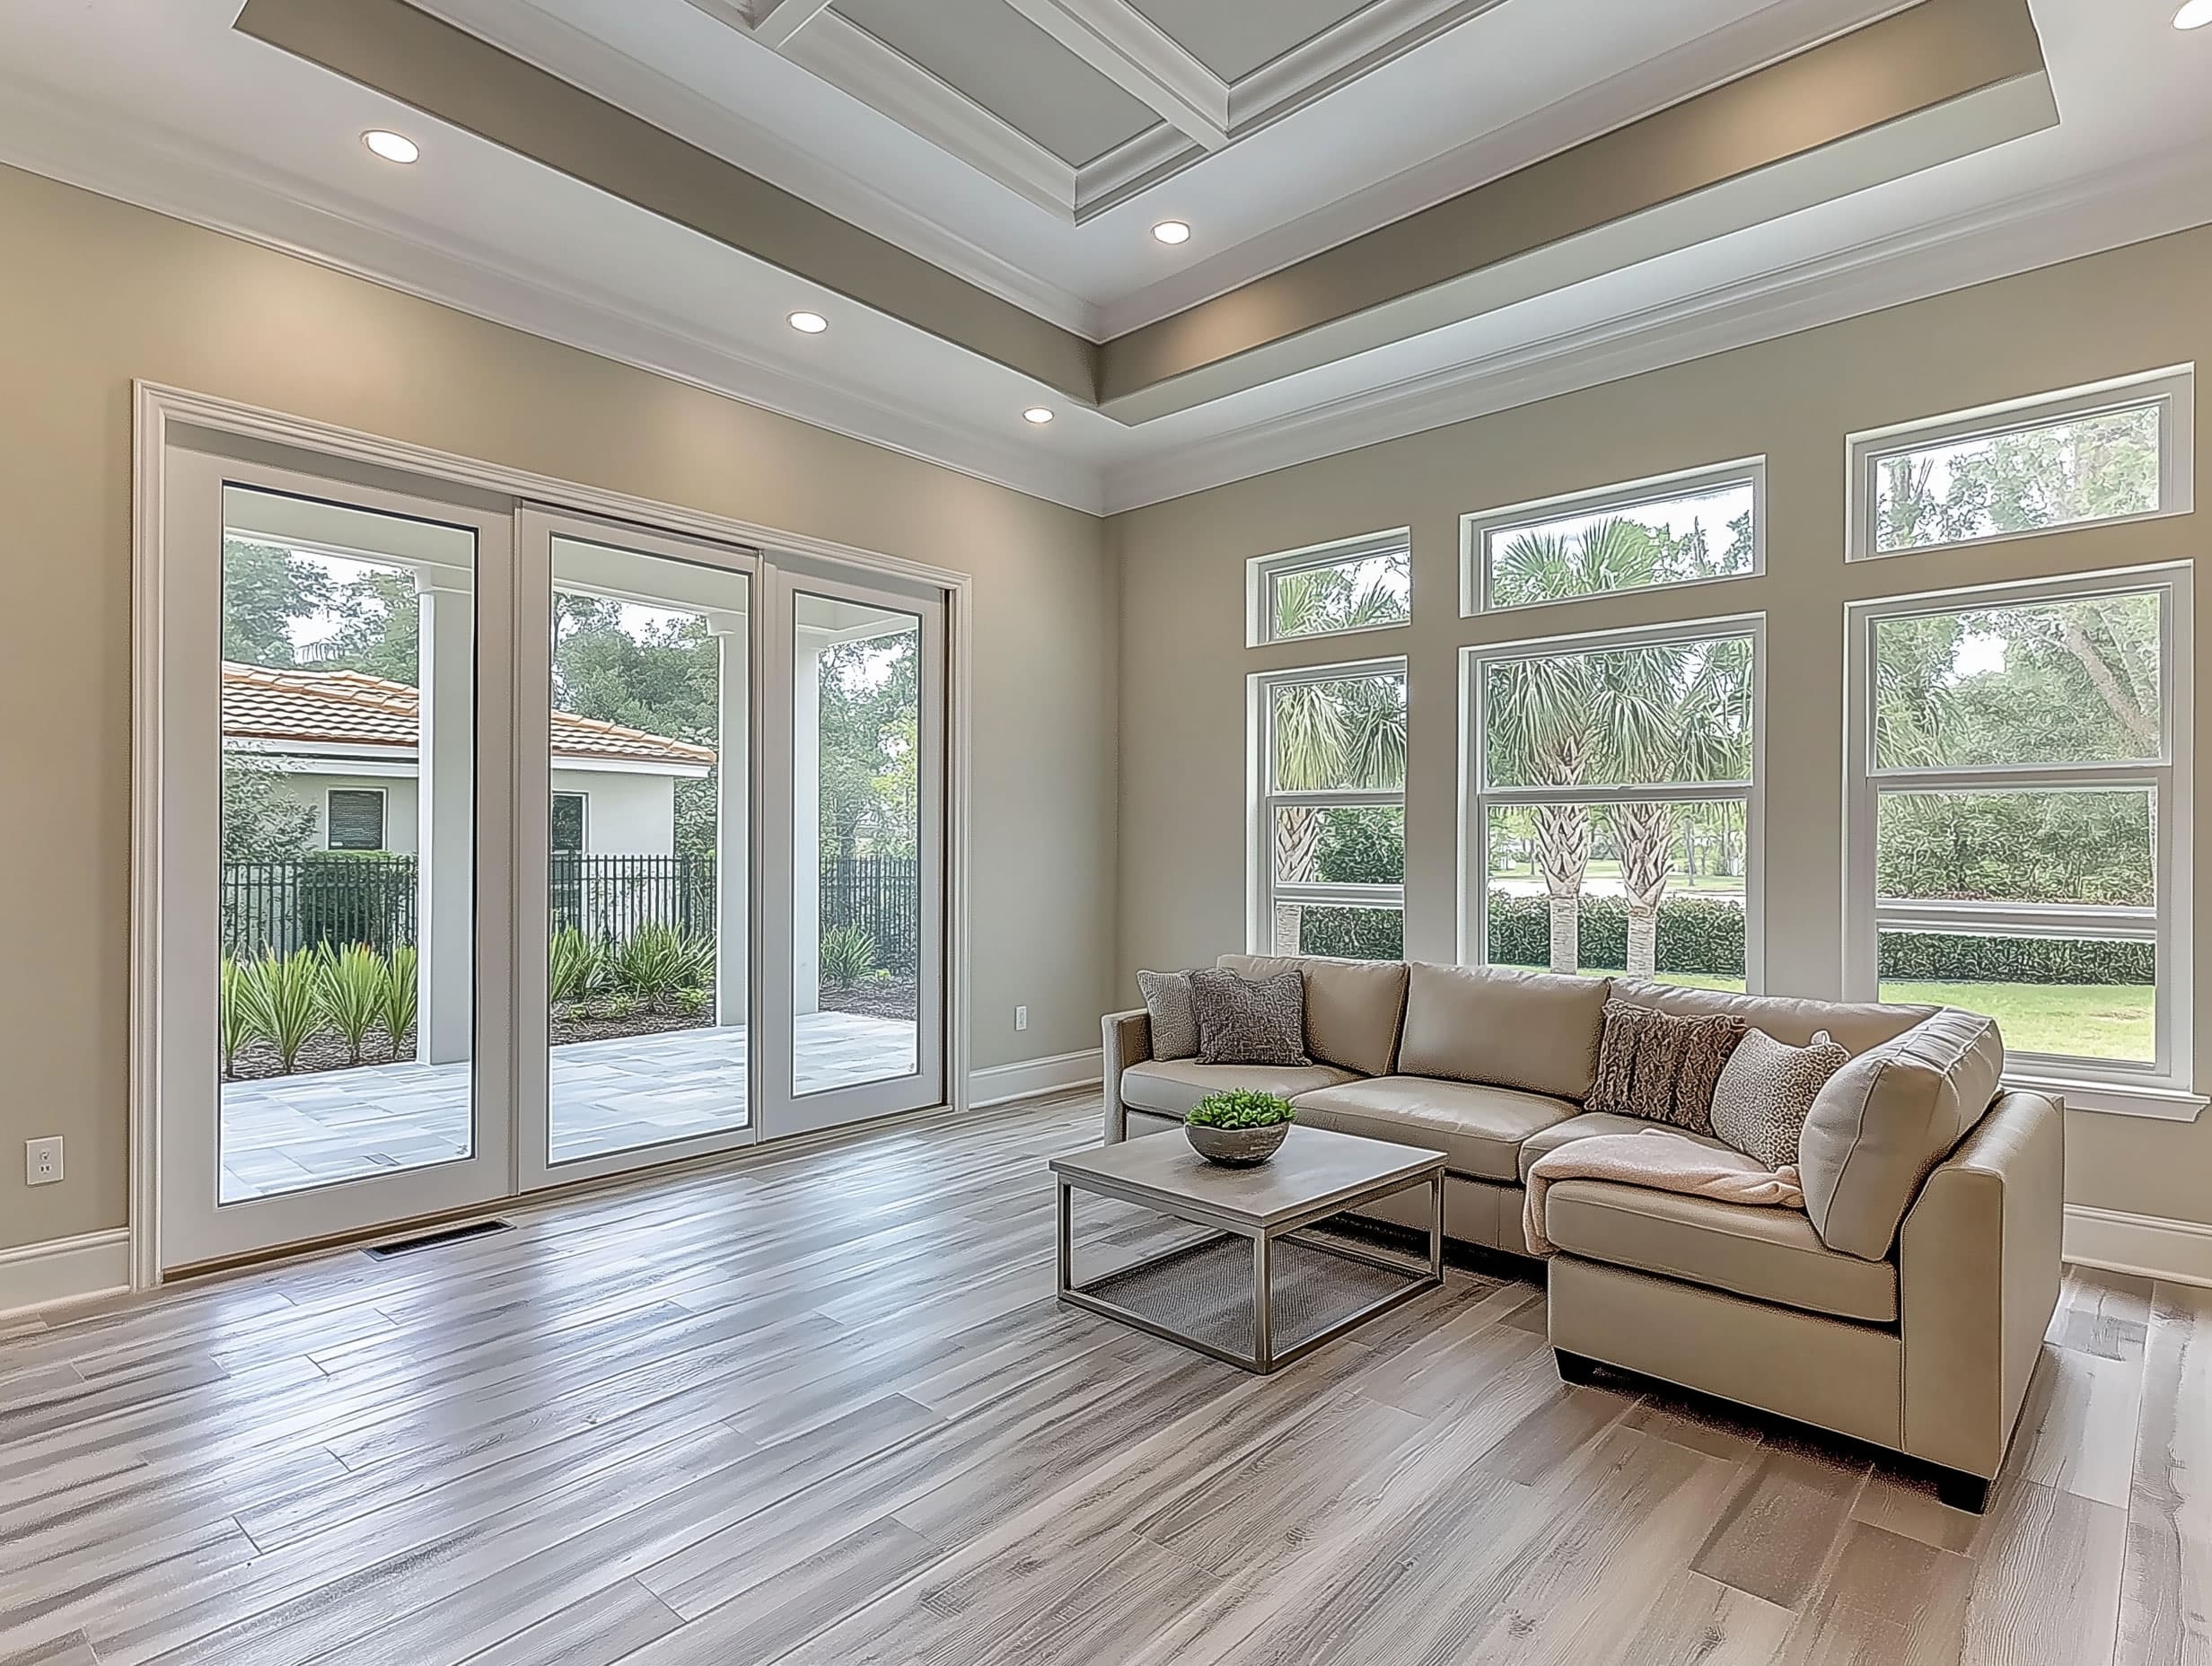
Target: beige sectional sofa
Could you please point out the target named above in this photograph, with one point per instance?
(1905, 1306)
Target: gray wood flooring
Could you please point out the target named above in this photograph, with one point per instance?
(822, 1408)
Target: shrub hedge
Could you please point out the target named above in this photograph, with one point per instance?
(1697, 935)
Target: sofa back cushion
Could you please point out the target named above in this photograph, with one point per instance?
(1536, 1032)
(1856, 1026)
(1888, 1118)
(1353, 1008)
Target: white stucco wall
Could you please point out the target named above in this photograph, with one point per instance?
(624, 814)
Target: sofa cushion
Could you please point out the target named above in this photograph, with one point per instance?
(1597, 1122)
(1888, 1118)
(1855, 1025)
(1171, 1087)
(1480, 1130)
(1250, 1020)
(1353, 1008)
(1533, 1030)
(1167, 1004)
(1772, 1255)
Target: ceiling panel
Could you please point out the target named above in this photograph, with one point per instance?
(990, 52)
(1232, 38)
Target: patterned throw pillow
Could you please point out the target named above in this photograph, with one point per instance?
(1174, 1021)
(1257, 1022)
(1661, 1067)
(1761, 1100)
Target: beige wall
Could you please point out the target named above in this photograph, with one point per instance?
(1184, 659)
(93, 294)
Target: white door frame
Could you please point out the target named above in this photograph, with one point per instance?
(162, 415)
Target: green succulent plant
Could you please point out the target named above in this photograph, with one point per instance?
(1241, 1108)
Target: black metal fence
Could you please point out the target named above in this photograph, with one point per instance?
(370, 899)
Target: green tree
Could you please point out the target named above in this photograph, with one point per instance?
(1344, 733)
(380, 627)
(259, 824)
(265, 588)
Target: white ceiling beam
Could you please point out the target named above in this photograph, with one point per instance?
(1129, 49)
(774, 22)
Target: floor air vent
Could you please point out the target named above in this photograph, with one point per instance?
(433, 1240)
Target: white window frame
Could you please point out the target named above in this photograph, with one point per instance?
(2162, 1086)
(1262, 571)
(1264, 892)
(2173, 391)
(1481, 529)
(1478, 795)
(384, 819)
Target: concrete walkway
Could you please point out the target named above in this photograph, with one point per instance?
(285, 1132)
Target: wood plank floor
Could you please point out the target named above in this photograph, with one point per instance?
(822, 1408)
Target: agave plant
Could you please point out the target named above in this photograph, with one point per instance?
(573, 965)
(648, 965)
(847, 955)
(279, 996)
(400, 992)
(697, 963)
(232, 1029)
(350, 989)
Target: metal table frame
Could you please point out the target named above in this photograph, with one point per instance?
(1264, 1357)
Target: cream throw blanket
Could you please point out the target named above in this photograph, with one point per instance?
(1664, 1161)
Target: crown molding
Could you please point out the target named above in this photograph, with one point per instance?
(1133, 166)
(2141, 199)
(558, 48)
(774, 22)
(173, 174)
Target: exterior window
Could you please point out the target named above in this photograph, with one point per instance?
(2118, 451)
(2015, 793)
(355, 816)
(1682, 529)
(1366, 583)
(1613, 821)
(1328, 837)
(568, 824)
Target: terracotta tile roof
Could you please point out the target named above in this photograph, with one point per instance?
(305, 709)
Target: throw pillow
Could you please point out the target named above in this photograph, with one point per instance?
(1258, 1022)
(1761, 1100)
(1174, 1023)
(1661, 1067)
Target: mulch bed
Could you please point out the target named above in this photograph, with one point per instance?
(895, 998)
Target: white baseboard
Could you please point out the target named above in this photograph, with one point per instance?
(2148, 1245)
(1000, 1083)
(65, 1269)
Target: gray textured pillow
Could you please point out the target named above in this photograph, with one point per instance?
(1765, 1089)
(1174, 1021)
(1258, 1022)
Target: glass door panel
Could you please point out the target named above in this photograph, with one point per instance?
(644, 787)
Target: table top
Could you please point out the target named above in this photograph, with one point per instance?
(1314, 1168)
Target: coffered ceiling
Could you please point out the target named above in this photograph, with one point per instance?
(1404, 212)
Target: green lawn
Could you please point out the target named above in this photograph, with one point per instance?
(2077, 1021)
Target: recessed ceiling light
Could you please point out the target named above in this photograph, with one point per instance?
(391, 147)
(808, 323)
(1178, 231)
(2193, 15)
(1037, 414)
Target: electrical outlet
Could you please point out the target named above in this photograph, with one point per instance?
(42, 1161)
(1021, 1018)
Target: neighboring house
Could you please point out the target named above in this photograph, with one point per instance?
(344, 743)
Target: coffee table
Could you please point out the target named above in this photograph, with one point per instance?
(1192, 1291)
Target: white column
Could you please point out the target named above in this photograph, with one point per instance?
(806, 819)
(445, 844)
(732, 824)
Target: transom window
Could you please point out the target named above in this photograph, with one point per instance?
(1680, 528)
(1329, 835)
(1612, 823)
(2019, 780)
(1363, 583)
(2115, 451)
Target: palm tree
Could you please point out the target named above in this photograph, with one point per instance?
(1347, 734)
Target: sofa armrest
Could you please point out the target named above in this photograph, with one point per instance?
(1127, 1041)
(1978, 1267)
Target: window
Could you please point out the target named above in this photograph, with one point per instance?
(355, 816)
(1363, 583)
(2115, 451)
(2019, 780)
(1612, 823)
(568, 824)
(1329, 831)
(1680, 528)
